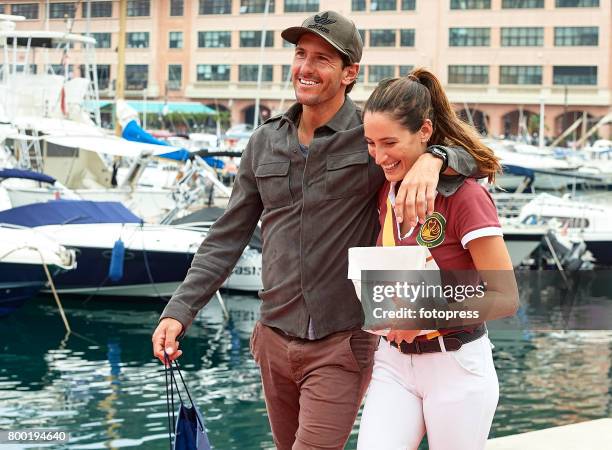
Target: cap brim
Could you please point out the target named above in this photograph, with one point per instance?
(293, 35)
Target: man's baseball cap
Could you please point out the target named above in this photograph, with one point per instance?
(336, 29)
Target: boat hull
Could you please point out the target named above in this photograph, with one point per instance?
(18, 283)
(145, 274)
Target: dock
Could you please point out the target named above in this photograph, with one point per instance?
(594, 434)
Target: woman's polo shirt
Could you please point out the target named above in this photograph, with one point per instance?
(466, 215)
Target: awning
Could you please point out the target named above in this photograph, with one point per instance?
(156, 107)
(111, 145)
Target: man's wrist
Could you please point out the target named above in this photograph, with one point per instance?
(439, 153)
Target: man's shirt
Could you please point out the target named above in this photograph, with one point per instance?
(313, 208)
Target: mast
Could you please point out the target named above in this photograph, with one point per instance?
(120, 84)
(260, 66)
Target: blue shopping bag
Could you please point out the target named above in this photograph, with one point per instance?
(188, 424)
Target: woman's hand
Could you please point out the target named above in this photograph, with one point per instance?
(402, 335)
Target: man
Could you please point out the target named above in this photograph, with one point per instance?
(308, 174)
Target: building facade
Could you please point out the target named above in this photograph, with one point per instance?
(499, 59)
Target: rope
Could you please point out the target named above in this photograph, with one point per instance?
(49, 278)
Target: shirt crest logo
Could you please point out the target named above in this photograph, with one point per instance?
(432, 231)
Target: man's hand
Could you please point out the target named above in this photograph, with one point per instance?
(416, 195)
(164, 338)
(402, 335)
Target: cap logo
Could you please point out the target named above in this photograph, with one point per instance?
(321, 20)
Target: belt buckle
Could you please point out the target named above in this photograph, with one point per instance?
(417, 347)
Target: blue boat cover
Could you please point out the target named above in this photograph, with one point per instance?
(518, 170)
(61, 212)
(134, 132)
(27, 174)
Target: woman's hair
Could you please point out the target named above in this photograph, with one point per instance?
(419, 96)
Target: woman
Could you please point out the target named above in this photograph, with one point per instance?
(451, 391)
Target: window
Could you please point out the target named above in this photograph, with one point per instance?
(21, 68)
(522, 37)
(28, 10)
(286, 72)
(575, 75)
(138, 8)
(382, 38)
(378, 73)
(103, 75)
(214, 39)
(405, 70)
(209, 72)
(103, 72)
(383, 5)
(361, 75)
(98, 9)
(301, 5)
(61, 10)
(103, 40)
(515, 4)
(215, 7)
(253, 39)
(255, 6)
(576, 36)
(468, 74)
(248, 72)
(358, 5)
(136, 76)
(407, 38)
(175, 74)
(362, 34)
(408, 5)
(59, 69)
(470, 4)
(520, 75)
(576, 3)
(175, 39)
(469, 37)
(137, 39)
(177, 7)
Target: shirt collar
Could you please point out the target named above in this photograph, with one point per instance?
(340, 122)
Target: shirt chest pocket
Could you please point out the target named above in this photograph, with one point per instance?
(346, 175)
(273, 184)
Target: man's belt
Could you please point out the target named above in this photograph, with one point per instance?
(452, 342)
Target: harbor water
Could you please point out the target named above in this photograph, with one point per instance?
(103, 386)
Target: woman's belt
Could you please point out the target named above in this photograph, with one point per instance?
(452, 342)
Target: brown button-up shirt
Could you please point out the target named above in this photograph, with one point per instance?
(313, 209)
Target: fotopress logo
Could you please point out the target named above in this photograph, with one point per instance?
(430, 299)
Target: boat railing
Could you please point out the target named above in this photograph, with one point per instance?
(510, 205)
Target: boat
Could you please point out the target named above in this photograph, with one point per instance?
(23, 254)
(155, 259)
(579, 220)
(522, 240)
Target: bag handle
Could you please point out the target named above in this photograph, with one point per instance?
(171, 384)
(169, 397)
